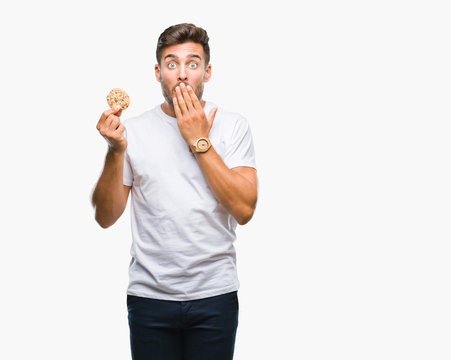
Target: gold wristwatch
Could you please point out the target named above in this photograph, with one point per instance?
(200, 146)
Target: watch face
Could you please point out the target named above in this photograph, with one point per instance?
(202, 145)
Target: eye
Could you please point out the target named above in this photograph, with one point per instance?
(171, 65)
(192, 65)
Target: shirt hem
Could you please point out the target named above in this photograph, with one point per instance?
(197, 296)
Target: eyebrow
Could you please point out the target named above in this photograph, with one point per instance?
(176, 57)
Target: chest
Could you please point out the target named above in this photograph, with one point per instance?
(165, 173)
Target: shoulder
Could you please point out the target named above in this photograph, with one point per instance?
(230, 119)
(227, 114)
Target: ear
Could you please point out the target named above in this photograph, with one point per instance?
(207, 73)
(157, 73)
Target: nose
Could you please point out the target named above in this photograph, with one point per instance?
(182, 76)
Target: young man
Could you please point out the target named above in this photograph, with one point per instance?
(191, 170)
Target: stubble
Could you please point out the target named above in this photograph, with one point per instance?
(168, 93)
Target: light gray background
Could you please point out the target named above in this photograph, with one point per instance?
(347, 256)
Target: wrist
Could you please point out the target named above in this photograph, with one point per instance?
(115, 151)
(200, 145)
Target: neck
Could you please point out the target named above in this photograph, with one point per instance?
(168, 109)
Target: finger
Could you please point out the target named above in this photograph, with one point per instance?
(117, 111)
(115, 123)
(211, 117)
(110, 120)
(186, 97)
(180, 101)
(194, 100)
(110, 124)
(119, 131)
(178, 112)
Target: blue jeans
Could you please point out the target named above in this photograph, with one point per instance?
(203, 329)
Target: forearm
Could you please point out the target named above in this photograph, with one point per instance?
(235, 192)
(235, 189)
(108, 197)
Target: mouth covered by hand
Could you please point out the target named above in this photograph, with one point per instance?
(178, 84)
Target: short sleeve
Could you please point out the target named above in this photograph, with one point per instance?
(240, 149)
(127, 173)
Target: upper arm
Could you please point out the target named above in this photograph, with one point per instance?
(250, 174)
(239, 152)
(126, 193)
(247, 172)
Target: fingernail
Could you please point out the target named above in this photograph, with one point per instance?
(188, 87)
(117, 107)
(182, 85)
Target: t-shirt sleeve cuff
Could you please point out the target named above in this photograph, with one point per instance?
(234, 165)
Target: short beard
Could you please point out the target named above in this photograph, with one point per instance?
(169, 94)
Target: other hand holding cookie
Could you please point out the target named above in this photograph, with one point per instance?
(110, 127)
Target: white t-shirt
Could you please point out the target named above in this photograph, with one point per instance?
(182, 236)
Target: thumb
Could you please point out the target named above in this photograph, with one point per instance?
(211, 116)
(117, 110)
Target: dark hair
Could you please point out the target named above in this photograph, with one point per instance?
(181, 33)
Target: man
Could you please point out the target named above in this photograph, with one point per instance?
(192, 177)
